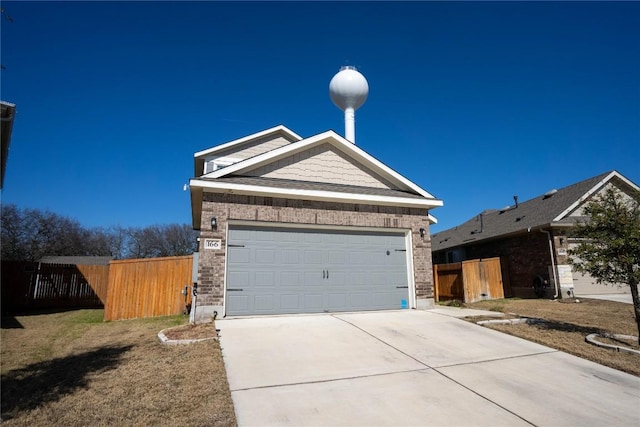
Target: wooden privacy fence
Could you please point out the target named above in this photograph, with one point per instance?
(38, 285)
(148, 287)
(469, 281)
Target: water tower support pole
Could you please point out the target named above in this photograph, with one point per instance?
(350, 125)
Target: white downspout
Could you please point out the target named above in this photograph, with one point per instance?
(553, 263)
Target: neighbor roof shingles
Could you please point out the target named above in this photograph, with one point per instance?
(535, 212)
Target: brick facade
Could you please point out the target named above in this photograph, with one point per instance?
(227, 207)
(523, 257)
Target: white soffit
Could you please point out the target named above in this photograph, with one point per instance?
(593, 190)
(273, 130)
(326, 137)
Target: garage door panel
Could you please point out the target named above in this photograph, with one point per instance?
(265, 256)
(264, 278)
(313, 256)
(297, 270)
(311, 237)
(313, 302)
(359, 300)
(290, 302)
(336, 277)
(378, 279)
(313, 278)
(239, 234)
(240, 303)
(358, 258)
(239, 255)
(264, 302)
(238, 279)
(290, 278)
(337, 301)
(337, 257)
(290, 256)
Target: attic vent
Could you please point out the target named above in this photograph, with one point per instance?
(506, 208)
(549, 194)
(209, 166)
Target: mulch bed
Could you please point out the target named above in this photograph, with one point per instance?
(192, 332)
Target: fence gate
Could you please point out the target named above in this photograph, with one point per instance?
(469, 281)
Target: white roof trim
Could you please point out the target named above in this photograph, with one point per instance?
(593, 190)
(275, 129)
(329, 137)
(319, 195)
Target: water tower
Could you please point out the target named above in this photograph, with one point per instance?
(349, 90)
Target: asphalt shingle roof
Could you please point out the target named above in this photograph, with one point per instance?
(536, 212)
(317, 186)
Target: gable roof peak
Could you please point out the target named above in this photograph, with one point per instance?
(279, 129)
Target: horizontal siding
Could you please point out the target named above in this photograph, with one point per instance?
(321, 164)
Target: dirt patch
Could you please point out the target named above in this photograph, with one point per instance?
(568, 323)
(191, 332)
(72, 369)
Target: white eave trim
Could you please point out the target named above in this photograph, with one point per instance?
(328, 137)
(273, 130)
(593, 190)
(319, 195)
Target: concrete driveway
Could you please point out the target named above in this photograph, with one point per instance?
(412, 368)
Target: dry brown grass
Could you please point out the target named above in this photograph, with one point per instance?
(567, 325)
(72, 369)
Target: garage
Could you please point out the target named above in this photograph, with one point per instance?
(281, 270)
(585, 284)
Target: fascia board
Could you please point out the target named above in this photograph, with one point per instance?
(432, 219)
(276, 129)
(196, 207)
(592, 190)
(329, 196)
(269, 157)
(337, 141)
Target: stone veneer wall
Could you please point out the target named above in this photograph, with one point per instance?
(225, 207)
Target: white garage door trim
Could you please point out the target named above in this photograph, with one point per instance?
(264, 224)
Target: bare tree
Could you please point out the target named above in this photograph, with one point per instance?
(30, 234)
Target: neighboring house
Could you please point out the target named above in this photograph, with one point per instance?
(305, 225)
(532, 239)
(7, 113)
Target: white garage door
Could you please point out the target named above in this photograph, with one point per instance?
(585, 284)
(283, 270)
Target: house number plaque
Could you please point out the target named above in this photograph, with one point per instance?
(214, 244)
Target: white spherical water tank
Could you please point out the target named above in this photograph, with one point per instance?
(349, 90)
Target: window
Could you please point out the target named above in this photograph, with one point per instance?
(219, 163)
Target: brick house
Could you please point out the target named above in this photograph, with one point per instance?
(305, 225)
(532, 239)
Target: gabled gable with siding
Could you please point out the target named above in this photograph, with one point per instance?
(334, 169)
(223, 155)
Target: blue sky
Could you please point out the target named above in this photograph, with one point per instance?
(473, 101)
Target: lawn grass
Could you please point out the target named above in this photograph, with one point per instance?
(70, 368)
(567, 325)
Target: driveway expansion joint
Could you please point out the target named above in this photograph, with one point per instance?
(330, 380)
